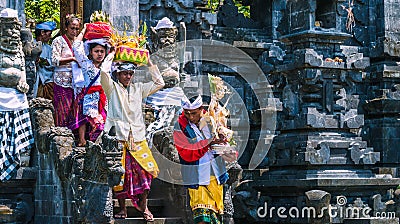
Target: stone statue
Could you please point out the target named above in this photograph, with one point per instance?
(165, 52)
(102, 169)
(167, 100)
(12, 70)
(14, 107)
(32, 50)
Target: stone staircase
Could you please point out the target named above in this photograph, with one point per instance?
(163, 210)
(156, 206)
(169, 220)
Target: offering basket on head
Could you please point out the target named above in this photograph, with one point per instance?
(98, 30)
(129, 54)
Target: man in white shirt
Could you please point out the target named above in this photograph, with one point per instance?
(125, 114)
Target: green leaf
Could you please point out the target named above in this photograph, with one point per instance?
(213, 87)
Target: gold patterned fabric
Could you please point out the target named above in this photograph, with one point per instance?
(208, 197)
(141, 152)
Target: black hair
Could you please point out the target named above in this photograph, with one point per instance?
(114, 76)
(93, 45)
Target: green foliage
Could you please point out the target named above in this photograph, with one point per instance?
(243, 9)
(214, 4)
(43, 10)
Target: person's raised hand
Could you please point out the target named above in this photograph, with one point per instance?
(150, 63)
(112, 46)
(83, 31)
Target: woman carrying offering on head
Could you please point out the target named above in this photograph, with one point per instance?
(89, 107)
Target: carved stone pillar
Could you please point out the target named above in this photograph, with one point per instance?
(382, 87)
(124, 14)
(320, 201)
(74, 183)
(101, 170)
(321, 83)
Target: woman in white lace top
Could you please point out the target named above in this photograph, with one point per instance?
(62, 57)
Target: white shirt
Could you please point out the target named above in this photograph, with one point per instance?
(12, 99)
(125, 104)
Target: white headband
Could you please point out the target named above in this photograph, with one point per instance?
(185, 103)
(123, 66)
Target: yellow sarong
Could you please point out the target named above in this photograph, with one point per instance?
(209, 197)
(141, 152)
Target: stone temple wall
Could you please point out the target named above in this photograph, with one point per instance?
(332, 84)
(322, 102)
(337, 126)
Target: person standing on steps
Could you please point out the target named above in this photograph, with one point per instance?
(44, 79)
(202, 172)
(90, 102)
(125, 113)
(62, 58)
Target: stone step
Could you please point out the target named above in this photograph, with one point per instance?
(170, 220)
(154, 202)
(155, 205)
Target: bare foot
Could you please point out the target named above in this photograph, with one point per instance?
(148, 216)
(82, 143)
(120, 215)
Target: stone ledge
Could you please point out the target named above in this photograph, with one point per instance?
(26, 173)
(371, 221)
(248, 44)
(337, 183)
(173, 220)
(151, 202)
